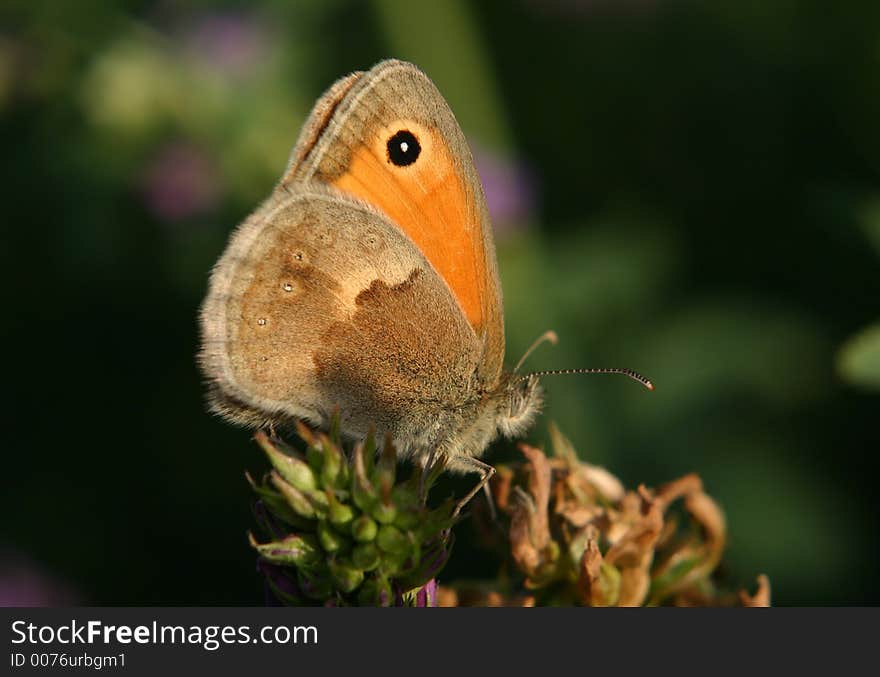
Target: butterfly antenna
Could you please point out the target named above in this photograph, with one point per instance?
(634, 375)
(549, 336)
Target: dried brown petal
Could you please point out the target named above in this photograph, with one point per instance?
(711, 518)
(501, 484)
(586, 510)
(634, 584)
(539, 488)
(633, 554)
(761, 598)
(598, 582)
(689, 484)
(604, 482)
(524, 552)
(580, 516)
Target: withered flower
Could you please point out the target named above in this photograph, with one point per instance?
(576, 536)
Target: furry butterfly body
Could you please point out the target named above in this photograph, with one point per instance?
(367, 283)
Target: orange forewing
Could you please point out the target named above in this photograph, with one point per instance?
(431, 203)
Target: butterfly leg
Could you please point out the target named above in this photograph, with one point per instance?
(486, 471)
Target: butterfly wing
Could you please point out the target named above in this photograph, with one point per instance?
(319, 303)
(388, 137)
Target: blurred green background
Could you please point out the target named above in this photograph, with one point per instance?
(689, 189)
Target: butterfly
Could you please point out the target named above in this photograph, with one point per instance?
(367, 284)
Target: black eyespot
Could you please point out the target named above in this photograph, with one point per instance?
(403, 148)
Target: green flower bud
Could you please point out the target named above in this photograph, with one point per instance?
(365, 556)
(384, 513)
(345, 576)
(297, 500)
(298, 550)
(276, 504)
(319, 501)
(332, 469)
(392, 540)
(363, 529)
(331, 540)
(315, 458)
(293, 469)
(362, 491)
(340, 514)
(369, 451)
(406, 519)
(394, 565)
(385, 472)
(376, 592)
(406, 495)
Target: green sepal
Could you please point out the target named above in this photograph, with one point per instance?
(293, 469)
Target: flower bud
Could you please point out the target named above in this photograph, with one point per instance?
(392, 540)
(331, 540)
(332, 471)
(345, 576)
(339, 514)
(364, 529)
(362, 490)
(366, 556)
(383, 512)
(297, 500)
(293, 469)
(298, 550)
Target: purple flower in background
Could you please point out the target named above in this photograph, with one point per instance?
(511, 189)
(234, 43)
(25, 583)
(180, 181)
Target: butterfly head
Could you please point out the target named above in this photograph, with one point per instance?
(520, 399)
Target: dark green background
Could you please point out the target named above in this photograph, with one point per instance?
(695, 195)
